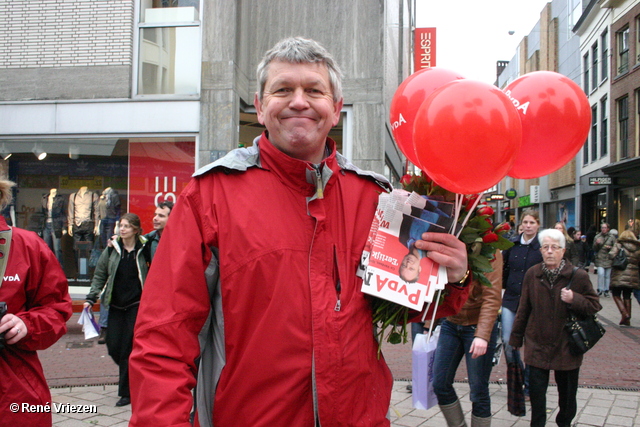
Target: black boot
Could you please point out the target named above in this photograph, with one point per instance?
(102, 339)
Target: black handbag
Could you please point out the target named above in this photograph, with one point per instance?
(620, 261)
(584, 332)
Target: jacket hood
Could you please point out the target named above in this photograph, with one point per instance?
(629, 244)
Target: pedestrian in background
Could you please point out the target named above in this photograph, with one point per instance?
(591, 255)
(571, 251)
(524, 254)
(37, 309)
(540, 326)
(160, 219)
(472, 334)
(602, 244)
(624, 282)
(122, 269)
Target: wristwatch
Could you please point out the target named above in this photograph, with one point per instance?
(462, 281)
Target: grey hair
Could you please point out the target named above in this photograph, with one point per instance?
(6, 195)
(553, 234)
(298, 50)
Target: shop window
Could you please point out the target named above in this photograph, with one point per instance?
(169, 48)
(136, 173)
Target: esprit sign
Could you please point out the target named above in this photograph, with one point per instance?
(424, 48)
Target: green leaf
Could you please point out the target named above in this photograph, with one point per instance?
(480, 263)
(483, 280)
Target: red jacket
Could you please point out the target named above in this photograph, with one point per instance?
(284, 352)
(36, 290)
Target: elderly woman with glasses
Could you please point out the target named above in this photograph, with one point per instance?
(539, 324)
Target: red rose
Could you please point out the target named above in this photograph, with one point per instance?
(468, 201)
(490, 237)
(485, 210)
(501, 228)
(405, 180)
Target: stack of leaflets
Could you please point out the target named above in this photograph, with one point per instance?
(392, 267)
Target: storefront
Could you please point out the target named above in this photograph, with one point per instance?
(62, 182)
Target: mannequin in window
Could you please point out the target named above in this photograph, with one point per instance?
(83, 215)
(108, 214)
(54, 221)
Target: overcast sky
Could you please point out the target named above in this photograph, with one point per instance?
(472, 35)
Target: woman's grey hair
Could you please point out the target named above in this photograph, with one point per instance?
(553, 234)
(298, 50)
(6, 195)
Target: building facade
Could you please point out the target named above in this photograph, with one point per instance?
(134, 95)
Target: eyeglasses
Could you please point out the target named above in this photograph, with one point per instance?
(552, 247)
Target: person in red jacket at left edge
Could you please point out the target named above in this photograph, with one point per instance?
(259, 261)
(38, 306)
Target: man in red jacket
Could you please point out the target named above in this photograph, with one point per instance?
(36, 294)
(256, 274)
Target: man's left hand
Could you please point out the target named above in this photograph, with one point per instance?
(446, 250)
(13, 327)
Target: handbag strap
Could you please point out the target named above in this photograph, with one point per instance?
(571, 278)
(4, 251)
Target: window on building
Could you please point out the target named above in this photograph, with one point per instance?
(637, 42)
(169, 53)
(585, 65)
(594, 132)
(604, 130)
(623, 50)
(575, 10)
(594, 66)
(623, 127)
(604, 55)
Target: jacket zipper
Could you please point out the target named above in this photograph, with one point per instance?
(338, 286)
(319, 183)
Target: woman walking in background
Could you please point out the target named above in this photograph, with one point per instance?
(571, 250)
(540, 326)
(123, 270)
(524, 254)
(623, 282)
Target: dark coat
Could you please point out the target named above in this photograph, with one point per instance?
(627, 278)
(541, 317)
(517, 260)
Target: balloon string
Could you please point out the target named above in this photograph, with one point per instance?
(457, 206)
(473, 208)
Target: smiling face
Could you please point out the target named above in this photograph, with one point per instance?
(160, 218)
(298, 109)
(410, 268)
(127, 231)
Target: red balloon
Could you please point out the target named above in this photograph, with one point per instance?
(556, 118)
(467, 135)
(408, 98)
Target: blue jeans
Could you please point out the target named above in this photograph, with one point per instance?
(636, 293)
(49, 236)
(604, 279)
(454, 343)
